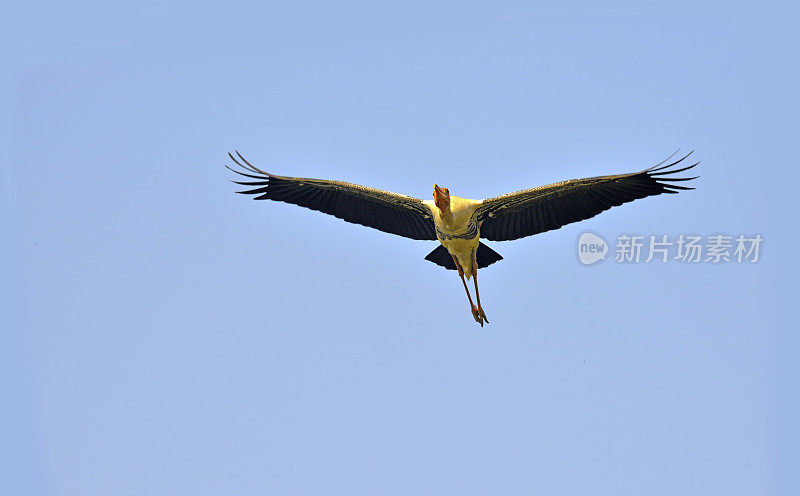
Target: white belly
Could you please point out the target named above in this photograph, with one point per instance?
(462, 249)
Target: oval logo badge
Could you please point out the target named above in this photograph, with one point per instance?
(591, 248)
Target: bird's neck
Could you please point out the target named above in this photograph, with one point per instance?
(446, 214)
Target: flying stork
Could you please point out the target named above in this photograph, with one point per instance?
(459, 223)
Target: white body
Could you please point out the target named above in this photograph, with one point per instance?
(454, 223)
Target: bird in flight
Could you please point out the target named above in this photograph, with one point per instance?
(459, 223)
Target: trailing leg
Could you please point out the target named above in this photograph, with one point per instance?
(477, 294)
(475, 313)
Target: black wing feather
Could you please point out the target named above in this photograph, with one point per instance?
(541, 209)
(383, 210)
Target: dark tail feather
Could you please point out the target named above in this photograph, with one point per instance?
(440, 256)
(485, 255)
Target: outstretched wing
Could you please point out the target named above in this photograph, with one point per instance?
(541, 209)
(383, 210)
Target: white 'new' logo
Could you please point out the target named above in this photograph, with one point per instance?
(591, 248)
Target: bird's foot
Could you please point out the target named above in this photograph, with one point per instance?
(483, 314)
(476, 315)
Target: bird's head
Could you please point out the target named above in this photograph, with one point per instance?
(441, 197)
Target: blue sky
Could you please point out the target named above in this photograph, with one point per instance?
(170, 337)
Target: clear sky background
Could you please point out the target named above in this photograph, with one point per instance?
(170, 337)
